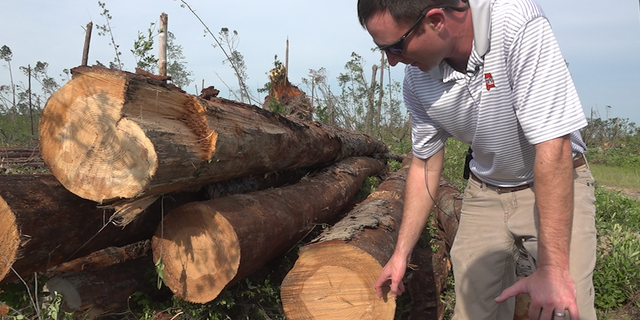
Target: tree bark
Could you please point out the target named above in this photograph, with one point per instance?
(334, 276)
(109, 135)
(103, 258)
(93, 294)
(210, 245)
(163, 35)
(42, 224)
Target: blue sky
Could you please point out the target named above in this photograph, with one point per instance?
(601, 41)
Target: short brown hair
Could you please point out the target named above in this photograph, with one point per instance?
(402, 11)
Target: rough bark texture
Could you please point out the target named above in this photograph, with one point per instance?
(97, 293)
(333, 273)
(334, 276)
(256, 182)
(43, 224)
(109, 135)
(207, 246)
(426, 279)
(447, 212)
(103, 258)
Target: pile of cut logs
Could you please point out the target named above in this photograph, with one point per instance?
(207, 191)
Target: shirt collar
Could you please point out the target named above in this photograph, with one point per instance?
(481, 15)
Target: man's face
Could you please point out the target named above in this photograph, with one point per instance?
(421, 47)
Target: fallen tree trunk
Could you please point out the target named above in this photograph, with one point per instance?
(42, 224)
(19, 157)
(427, 280)
(109, 135)
(207, 246)
(334, 276)
(102, 258)
(19, 152)
(93, 294)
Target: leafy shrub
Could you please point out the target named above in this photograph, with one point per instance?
(617, 274)
(454, 158)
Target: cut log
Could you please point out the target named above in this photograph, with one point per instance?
(109, 134)
(334, 276)
(447, 212)
(93, 294)
(103, 258)
(42, 224)
(427, 280)
(210, 245)
(255, 183)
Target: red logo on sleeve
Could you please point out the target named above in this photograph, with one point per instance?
(488, 79)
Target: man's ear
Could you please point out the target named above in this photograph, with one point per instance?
(436, 19)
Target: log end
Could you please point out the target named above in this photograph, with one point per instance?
(334, 280)
(199, 252)
(89, 146)
(9, 238)
(67, 289)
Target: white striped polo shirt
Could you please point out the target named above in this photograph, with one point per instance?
(517, 92)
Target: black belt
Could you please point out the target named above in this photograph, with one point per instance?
(578, 162)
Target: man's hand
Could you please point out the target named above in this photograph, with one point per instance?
(422, 182)
(552, 291)
(391, 276)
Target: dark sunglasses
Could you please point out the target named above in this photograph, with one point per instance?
(398, 46)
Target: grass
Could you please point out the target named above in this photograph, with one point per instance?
(617, 177)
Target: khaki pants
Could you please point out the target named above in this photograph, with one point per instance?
(494, 226)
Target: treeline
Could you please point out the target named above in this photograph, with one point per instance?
(612, 141)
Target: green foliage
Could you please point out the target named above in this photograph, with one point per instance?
(5, 53)
(15, 129)
(230, 41)
(394, 165)
(273, 105)
(617, 273)
(454, 157)
(256, 297)
(24, 305)
(619, 177)
(369, 186)
(146, 60)
(142, 48)
(612, 142)
(176, 64)
(105, 30)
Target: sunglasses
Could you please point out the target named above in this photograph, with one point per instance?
(398, 46)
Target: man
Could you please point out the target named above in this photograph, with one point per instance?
(489, 73)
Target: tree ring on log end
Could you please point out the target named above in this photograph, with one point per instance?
(202, 247)
(9, 238)
(334, 282)
(89, 146)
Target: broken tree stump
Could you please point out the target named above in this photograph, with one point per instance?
(42, 224)
(109, 135)
(207, 246)
(334, 276)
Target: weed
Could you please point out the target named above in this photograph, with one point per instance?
(617, 273)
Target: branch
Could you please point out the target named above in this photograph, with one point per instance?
(214, 38)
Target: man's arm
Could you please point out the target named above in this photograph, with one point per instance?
(418, 201)
(551, 288)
